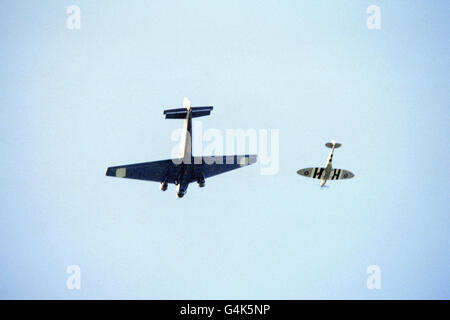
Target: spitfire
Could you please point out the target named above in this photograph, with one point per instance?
(327, 173)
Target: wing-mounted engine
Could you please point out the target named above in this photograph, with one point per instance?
(201, 182)
(181, 189)
(163, 185)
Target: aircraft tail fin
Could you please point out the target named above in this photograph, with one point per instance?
(186, 103)
(333, 144)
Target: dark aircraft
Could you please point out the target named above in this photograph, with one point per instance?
(185, 169)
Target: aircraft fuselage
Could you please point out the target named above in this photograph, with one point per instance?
(328, 168)
(186, 172)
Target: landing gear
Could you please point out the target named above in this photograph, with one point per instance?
(163, 186)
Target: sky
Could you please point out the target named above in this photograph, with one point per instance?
(75, 101)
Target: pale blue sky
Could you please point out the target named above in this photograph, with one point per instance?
(74, 102)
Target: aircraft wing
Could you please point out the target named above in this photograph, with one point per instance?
(212, 166)
(339, 174)
(318, 173)
(315, 173)
(150, 171)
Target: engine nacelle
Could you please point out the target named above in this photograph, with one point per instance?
(180, 194)
(181, 190)
(163, 186)
(201, 182)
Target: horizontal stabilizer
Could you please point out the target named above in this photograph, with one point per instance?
(181, 113)
(201, 111)
(331, 144)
